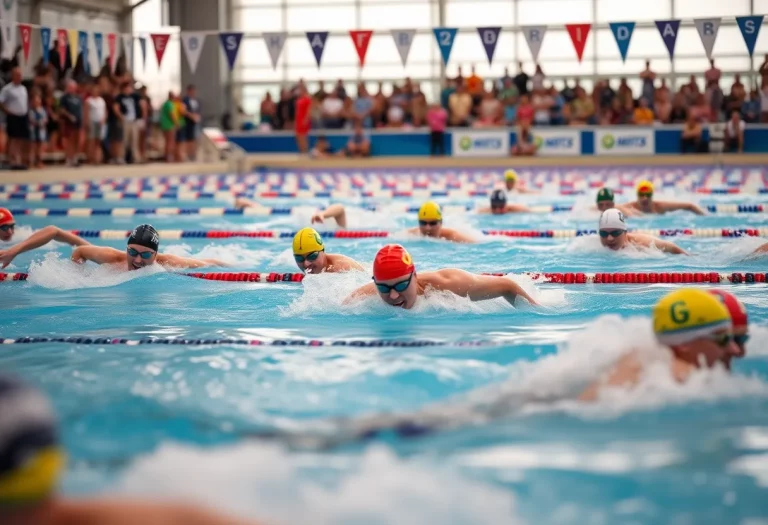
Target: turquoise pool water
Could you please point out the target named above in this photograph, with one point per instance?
(180, 420)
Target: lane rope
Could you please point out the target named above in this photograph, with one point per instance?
(356, 343)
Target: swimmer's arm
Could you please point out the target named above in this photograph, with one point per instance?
(242, 202)
(175, 261)
(479, 287)
(624, 373)
(335, 211)
(674, 206)
(93, 512)
(362, 292)
(484, 211)
(628, 210)
(517, 208)
(97, 254)
(455, 236)
(38, 239)
(762, 249)
(669, 247)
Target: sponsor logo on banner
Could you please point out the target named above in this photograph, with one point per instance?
(624, 142)
(480, 143)
(554, 143)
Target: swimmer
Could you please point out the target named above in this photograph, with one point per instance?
(310, 256)
(510, 183)
(605, 201)
(614, 235)
(739, 322)
(397, 283)
(693, 325)
(646, 204)
(761, 250)
(31, 463)
(431, 225)
(335, 211)
(36, 240)
(140, 252)
(499, 205)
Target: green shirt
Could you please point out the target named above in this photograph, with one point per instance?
(167, 116)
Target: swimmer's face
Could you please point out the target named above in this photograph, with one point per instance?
(314, 262)
(6, 232)
(605, 205)
(139, 256)
(613, 239)
(405, 298)
(707, 351)
(741, 335)
(430, 228)
(497, 209)
(510, 184)
(645, 199)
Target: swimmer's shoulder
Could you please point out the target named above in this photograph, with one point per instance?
(342, 263)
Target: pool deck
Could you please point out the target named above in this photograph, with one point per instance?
(94, 173)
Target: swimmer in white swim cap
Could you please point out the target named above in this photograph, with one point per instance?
(614, 235)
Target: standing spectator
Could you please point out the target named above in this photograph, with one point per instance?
(363, 106)
(95, 127)
(168, 125)
(332, 108)
(648, 77)
(14, 103)
(129, 109)
(737, 84)
(764, 103)
(267, 111)
(693, 86)
(181, 122)
(679, 114)
(145, 104)
(509, 93)
(525, 112)
(459, 79)
(624, 93)
(475, 86)
(764, 70)
(556, 111)
(419, 110)
(537, 81)
(750, 109)
(71, 118)
(643, 114)
(490, 111)
(712, 75)
(341, 91)
(283, 116)
(399, 108)
(583, 111)
(449, 88)
(663, 107)
(524, 145)
(691, 138)
(303, 119)
(662, 92)
(38, 126)
(460, 105)
(606, 95)
(734, 134)
(320, 94)
(521, 80)
(437, 119)
(542, 104)
(192, 121)
(503, 80)
(114, 126)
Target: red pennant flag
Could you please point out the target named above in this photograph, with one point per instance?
(112, 48)
(361, 39)
(61, 44)
(26, 39)
(579, 34)
(160, 40)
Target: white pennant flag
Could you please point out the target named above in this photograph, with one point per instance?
(275, 43)
(193, 42)
(534, 35)
(403, 42)
(128, 47)
(708, 28)
(8, 28)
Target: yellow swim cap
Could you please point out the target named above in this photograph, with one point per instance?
(430, 211)
(645, 186)
(688, 314)
(510, 175)
(307, 240)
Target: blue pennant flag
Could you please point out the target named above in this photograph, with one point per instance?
(230, 42)
(98, 41)
(750, 28)
(82, 43)
(445, 37)
(317, 41)
(143, 47)
(45, 41)
(668, 29)
(489, 36)
(622, 32)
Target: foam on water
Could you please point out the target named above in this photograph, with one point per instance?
(63, 274)
(233, 254)
(591, 244)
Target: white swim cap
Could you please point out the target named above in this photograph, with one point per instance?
(612, 219)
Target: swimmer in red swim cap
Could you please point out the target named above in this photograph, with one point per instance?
(739, 321)
(397, 283)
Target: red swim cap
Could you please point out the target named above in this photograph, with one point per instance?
(6, 217)
(391, 262)
(735, 307)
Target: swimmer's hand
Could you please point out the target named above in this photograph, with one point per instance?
(6, 257)
(317, 218)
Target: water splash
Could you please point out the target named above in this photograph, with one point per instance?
(63, 274)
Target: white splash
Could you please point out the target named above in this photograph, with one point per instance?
(234, 254)
(63, 274)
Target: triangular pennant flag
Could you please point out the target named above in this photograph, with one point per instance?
(112, 50)
(317, 41)
(127, 39)
(750, 28)
(193, 42)
(361, 40)
(230, 43)
(668, 29)
(622, 32)
(275, 43)
(160, 41)
(9, 37)
(534, 36)
(73, 46)
(45, 42)
(445, 37)
(579, 34)
(707, 28)
(143, 47)
(489, 36)
(61, 44)
(403, 41)
(25, 30)
(98, 44)
(82, 42)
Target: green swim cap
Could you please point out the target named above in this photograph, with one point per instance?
(605, 194)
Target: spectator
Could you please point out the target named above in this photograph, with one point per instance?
(750, 109)
(537, 81)
(359, 144)
(624, 93)
(459, 79)
(764, 103)
(460, 104)
(146, 128)
(648, 77)
(396, 110)
(508, 93)
(322, 149)
(616, 113)
(691, 140)
(628, 112)
(525, 111)
(491, 111)
(583, 109)
(524, 145)
(191, 128)
(380, 107)
(737, 84)
(693, 86)
(663, 107)
(52, 110)
(521, 80)
(169, 120)
(606, 95)
(700, 110)
(114, 126)
(643, 114)
(38, 125)
(679, 114)
(542, 104)
(320, 94)
(131, 120)
(449, 88)
(506, 78)
(712, 75)
(14, 103)
(341, 91)
(437, 119)
(95, 124)
(568, 92)
(734, 134)
(71, 113)
(332, 108)
(556, 113)
(303, 119)
(267, 111)
(419, 110)
(475, 86)
(363, 106)
(662, 91)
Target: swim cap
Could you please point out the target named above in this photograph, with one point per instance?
(613, 219)
(645, 186)
(498, 199)
(6, 217)
(688, 314)
(430, 211)
(736, 308)
(391, 262)
(605, 194)
(145, 235)
(307, 240)
(510, 175)
(30, 456)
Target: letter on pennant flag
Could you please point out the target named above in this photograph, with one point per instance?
(707, 28)
(230, 43)
(317, 41)
(127, 39)
(361, 40)
(622, 32)
(403, 41)
(82, 41)
(98, 43)
(143, 47)
(534, 36)
(45, 42)
(668, 29)
(73, 41)
(61, 44)
(275, 43)
(112, 50)
(25, 30)
(579, 34)
(750, 28)
(160, 41)
(489, 36)
(193, 42)
(445, 37)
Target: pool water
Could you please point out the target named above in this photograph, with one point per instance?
(184, 420)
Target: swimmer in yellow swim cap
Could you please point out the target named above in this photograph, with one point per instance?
(511, 181)
(309, 254)
(694, 326)
(431, 225)
(646, 204)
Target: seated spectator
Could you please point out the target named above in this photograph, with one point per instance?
(606, 94)
(524, 145)
(568, 93)
(663, 107)
(267, 111)
(363, 106)
(556, 114)
(628, 112)
(678, 114)
(750, 109)
(359, 144)
(380, 107)
(341, 91)
(662, 91)
(542, 103)
(322, 149)
(332, 109)
(537, 80)
(399, 106)
(734, 134)
(521, 80)
(624, 93)
(508, 93)
(460, 105)
(693, 86)
(525, 111)
(737, 84)
(615, 113)
(449, 88)
(490, 111)
(700, 110)
(419, 108)
(320, 94)
(583, 109)
(437, 119)
(691, 140)
(643, 114)
(713, 97)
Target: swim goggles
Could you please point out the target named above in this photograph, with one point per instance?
(311, 257)
(612, 233)
(722, 340)
(6, 227)
(398, 287)
(741, 339)
(429, 223)
(648, 194)
(144, 255)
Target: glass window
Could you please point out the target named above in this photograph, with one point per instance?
(704, 8)
(258, 74)
(253, 53)
(385, 16)
(327, 18)
(300, 3)
(338, 50)
(623, 11)
(465, 13)
(552, 12)
(253, 20)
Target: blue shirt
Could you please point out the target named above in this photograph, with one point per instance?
(750, 107)
(364, 105)
(510, 114)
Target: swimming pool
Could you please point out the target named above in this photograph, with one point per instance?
(175, 420)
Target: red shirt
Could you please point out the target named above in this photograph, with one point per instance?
(303, 105)
(525, 113)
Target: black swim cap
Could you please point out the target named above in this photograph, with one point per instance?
(145, 235)
(498, 199)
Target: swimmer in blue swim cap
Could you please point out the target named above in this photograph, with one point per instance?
(499, 205)
(141, 251)
(31, 463)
